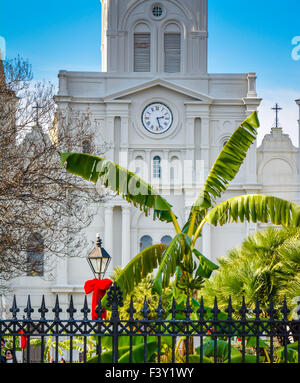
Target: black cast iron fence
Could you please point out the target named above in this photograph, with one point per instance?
(186, 335)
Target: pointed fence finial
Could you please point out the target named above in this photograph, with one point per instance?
(160, 311)
(215, 310)
(99, 309)
(285, 311)
(43, 310)
(56, 309)
(257, 311)
(14, 309)
(131, 309)
(243, 310)
(188, 309)
(145, 310)
(71, 310)
(201, 310)
(173, 310)
(85, 310)
(28, 310)
(229, 309)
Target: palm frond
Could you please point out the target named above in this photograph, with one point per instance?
(120, 180)
(225, 168)
(255, 208)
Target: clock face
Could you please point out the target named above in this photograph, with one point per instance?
(157, 118)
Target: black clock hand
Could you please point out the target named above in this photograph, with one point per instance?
(158, 118)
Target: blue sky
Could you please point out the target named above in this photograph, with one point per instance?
(244, 36)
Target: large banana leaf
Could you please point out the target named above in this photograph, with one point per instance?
(170, 260)
(120, 180)
(138, 268)
(221, 348)
(255, 208)
(225, 167)
(137, 350)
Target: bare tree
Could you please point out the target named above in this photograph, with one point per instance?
(43, 210)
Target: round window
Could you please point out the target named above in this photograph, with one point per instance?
(157, 11)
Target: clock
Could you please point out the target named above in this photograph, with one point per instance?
(157, 118)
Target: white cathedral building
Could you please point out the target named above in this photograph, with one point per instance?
(155, 102)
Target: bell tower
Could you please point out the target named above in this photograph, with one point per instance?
(154, 36)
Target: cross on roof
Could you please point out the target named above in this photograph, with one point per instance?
(277, 110)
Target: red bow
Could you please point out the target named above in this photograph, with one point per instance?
(23, 340)
(99, 288)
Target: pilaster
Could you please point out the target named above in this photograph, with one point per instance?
(126, 235)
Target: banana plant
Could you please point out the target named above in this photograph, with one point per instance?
(219, 350)
(136, 350)
(50, 345)
(180, 258)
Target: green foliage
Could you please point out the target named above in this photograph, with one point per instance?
(142, 290)
(138, 268)
(172, 258)
(265, 267)
(65, 345)
(9, 343)
(255, 208)
(124, 350)
(180, 259)
(206, 267)
(49, 345)
(222, 353)
(292, 353)
(225, 168)
(120, 180)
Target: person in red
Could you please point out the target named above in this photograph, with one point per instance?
(99, 288)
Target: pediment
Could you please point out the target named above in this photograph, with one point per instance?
(277, 141)
(125, 93)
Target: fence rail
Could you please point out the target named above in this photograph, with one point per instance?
(174, 336)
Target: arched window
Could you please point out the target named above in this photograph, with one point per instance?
(86, 146)
(35, 255)
(172, 49)
(139, 166)
(145, 242)
(166, 239)
(156, 167)
(142, 48)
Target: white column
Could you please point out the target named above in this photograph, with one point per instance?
(61, 271)
(165, 173)
(148, 171)
(111, 136)
(250, 161)
(124, 133)
(206, 242)
(205, 144)
(125, 235)
(108, 229)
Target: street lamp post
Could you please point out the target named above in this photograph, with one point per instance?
(99, 259)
